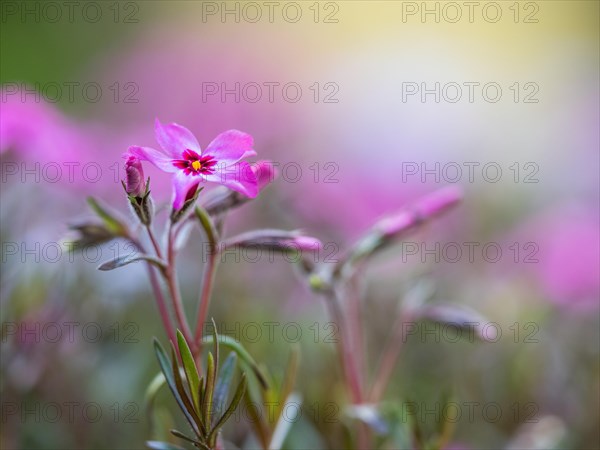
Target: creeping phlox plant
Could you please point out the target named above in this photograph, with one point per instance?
(207, 392)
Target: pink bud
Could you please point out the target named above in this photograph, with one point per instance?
(134, 176)
(397, 223)
(426, 208)
(438, 201)
(305, 243)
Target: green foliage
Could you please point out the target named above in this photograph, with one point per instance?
(202, 399)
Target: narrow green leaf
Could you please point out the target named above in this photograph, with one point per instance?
(180, 435)
(290, 378)
(131, 258)
(215, 369)
(201, 391)
(224, 382)
(237, 398)
(110, 221)
(166, 367)
(445, 427)
(256, 420)
(209, 389)
(154, 386)
(157, 382)
(191, 371)
(88, 234)
(283, 425)
(245, 357)
(417, 432)
(215, 346)
(207, 225)
(182, 392)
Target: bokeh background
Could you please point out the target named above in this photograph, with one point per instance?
(354, 142)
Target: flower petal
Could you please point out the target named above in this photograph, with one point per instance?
(157, 158)
(182, 185)
(175, 139)
(238, 177)
(231, 146)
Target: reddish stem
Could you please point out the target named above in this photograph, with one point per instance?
(205, 294)
(154, 241)
(356, 330)
(346, 355)
(160, 300)
(349, 363)
(389, 358)
(171, 278)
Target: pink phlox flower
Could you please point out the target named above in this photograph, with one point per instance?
(219, 163)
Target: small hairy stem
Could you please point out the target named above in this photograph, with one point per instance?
(205, 294)
(349, 362)
(158, 295)
(154, 241)
(356, 330)
(389, 358)
(345, 352)
(160, 300)
(171, 279)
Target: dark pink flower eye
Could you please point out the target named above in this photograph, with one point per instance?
(195, 164)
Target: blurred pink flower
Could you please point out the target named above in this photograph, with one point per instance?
(38, 130)
(566, 263)
(42, 146)
(219, 163)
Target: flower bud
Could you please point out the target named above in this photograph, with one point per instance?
(396, 226)
(439, 202)
(426, 208)
(304, 243)
(138, 189)
(277, 240)
(135, 185)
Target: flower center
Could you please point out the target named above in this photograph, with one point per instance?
(195, 164)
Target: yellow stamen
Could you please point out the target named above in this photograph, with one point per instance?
(196, 165)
